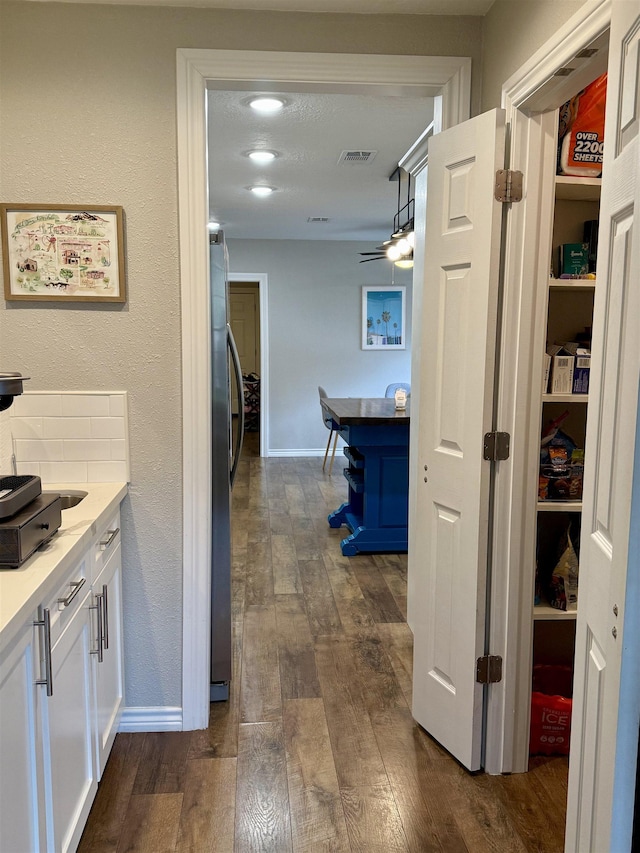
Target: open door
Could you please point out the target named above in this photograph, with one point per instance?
(603, 753)
(460, 305)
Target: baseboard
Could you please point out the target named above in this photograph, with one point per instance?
(296, 452)
(159, 719)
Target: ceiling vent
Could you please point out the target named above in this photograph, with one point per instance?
(356, 157)
(317, 219)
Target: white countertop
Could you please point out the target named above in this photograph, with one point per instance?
(21, 590)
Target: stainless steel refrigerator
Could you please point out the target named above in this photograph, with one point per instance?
(226, 446)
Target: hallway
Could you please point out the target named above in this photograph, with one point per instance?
(316, 749)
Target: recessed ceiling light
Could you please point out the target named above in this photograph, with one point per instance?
(262, 191)
(214, 226)
(266, 105)
(262, 156)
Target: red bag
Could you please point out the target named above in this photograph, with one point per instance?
(550, 724)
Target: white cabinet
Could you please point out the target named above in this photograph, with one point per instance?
(61, 696)
(108, 680)
(65, 718)
(22, 816)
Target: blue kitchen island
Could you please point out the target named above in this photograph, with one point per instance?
(377, 439)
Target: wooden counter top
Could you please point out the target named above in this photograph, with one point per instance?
(369, 411)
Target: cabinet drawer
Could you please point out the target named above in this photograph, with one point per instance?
(67, 600)
(105, 545)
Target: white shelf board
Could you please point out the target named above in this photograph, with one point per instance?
(559, 506)
(578, 189)
(565, 398)
(545, 611)
(577, 284)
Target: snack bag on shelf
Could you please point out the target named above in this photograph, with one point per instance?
(581, 131)
(563, 589)
(577, 473)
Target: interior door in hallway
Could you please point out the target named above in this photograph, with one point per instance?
(456, 410)
(601, 770)
(244, 318)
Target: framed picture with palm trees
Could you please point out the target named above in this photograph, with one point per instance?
(383, 317)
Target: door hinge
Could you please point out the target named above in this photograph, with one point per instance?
(496, 446)
(489, 669)
(508, 185)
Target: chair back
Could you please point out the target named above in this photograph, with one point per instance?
(326, 417)
(391, 389)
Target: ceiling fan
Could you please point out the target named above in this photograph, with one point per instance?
(399, 247)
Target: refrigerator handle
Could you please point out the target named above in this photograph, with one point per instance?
(238, 372)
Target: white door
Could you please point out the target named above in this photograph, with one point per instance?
(108, 667)
(609, 458)
(22, 812)
(244, 319)
(462, 259)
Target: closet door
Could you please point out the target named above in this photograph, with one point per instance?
(598, 753)
(453, 480)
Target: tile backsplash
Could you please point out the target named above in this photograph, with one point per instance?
(71, 436)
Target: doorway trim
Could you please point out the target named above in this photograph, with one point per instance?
(262, 280)
(446, 79)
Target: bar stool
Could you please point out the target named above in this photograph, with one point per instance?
(330, 425)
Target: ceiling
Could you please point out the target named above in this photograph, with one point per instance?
(310, 134)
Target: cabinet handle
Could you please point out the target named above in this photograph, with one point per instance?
(98, 606)
(76, 586)
(45, 623)
(105, 543)
(105, 625)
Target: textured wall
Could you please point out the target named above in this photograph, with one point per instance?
(512, 32)
(314, 330)
(87, 111)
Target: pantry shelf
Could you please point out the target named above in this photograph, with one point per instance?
(567, 284)
(565, 398)
(559, 506)
(578, 189)
(546, 612)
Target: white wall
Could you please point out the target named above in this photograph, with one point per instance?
(314, 331)
(88, 116)
(512, 31)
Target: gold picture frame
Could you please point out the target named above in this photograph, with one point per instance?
(63, 253)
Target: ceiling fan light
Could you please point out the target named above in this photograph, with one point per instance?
(404, 247)
(213, 226)
(411, 238)
(393, 252)
(265, 105)
(404, 263)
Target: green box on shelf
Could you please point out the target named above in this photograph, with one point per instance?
(574, 259)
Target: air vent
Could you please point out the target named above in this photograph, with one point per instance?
(348, 157)
(317, 219)
(587, 53)
(564, 72)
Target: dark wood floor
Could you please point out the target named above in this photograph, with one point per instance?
(316, 749)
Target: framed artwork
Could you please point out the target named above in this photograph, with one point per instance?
(383, 317)
(63, 253)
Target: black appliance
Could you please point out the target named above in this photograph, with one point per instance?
(28, 518)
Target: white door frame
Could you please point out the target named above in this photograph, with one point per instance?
(530, 96)
(262, 280)
(447, 79)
